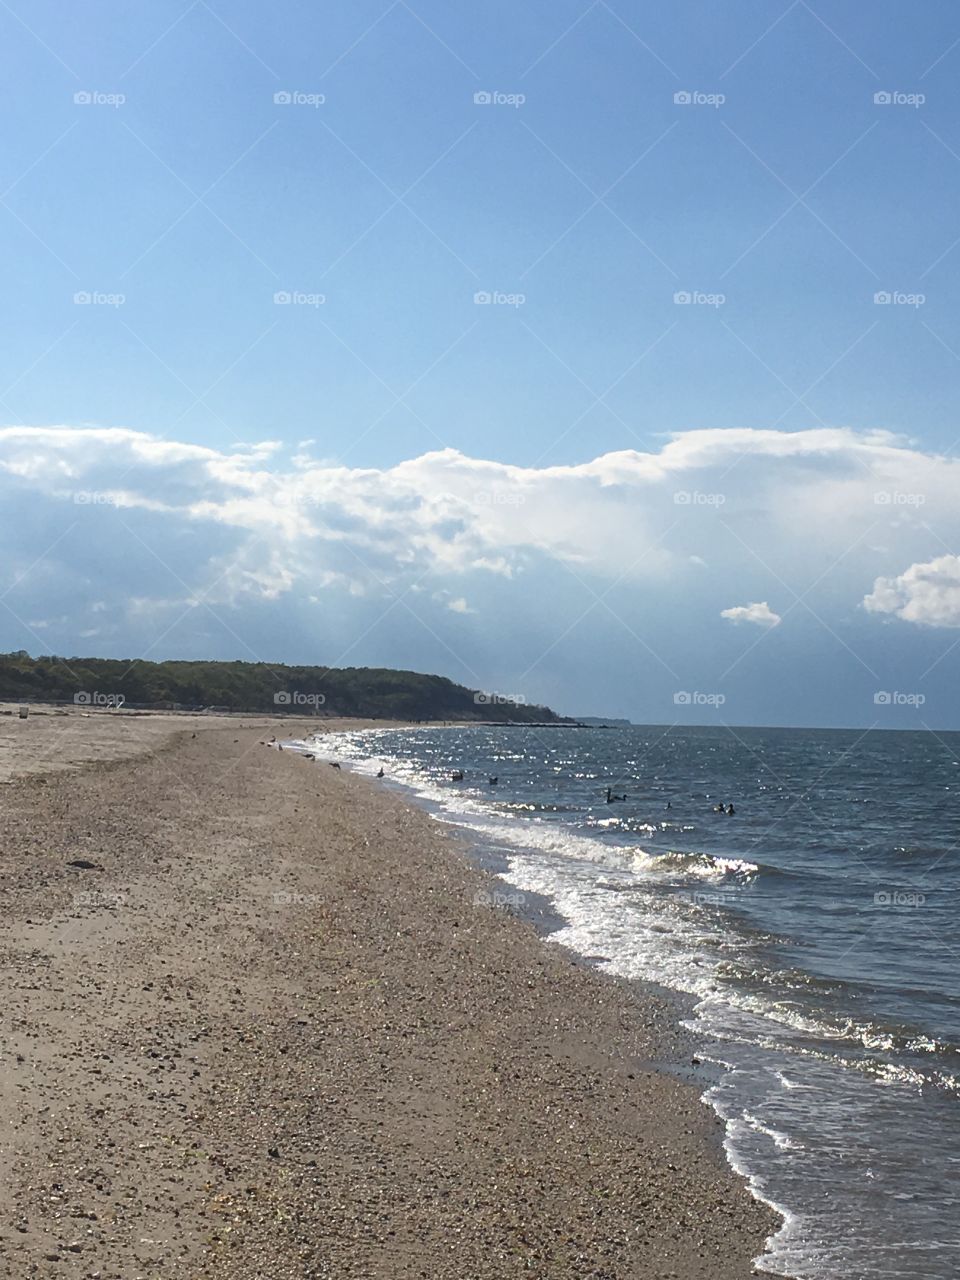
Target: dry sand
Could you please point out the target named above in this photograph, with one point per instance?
(273, 1031)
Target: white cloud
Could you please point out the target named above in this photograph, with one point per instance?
(759, 613)
(264, 526)
(926, 593)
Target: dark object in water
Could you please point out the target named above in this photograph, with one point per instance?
(612, 799)
(457, 775)
(494, 780)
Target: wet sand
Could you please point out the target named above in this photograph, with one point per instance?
(263, 1019)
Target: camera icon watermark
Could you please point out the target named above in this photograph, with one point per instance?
(694, 98)
(499, 699)
(494, 98)
(295, 98)
(296, 698)
(894, 98)
(894, 698)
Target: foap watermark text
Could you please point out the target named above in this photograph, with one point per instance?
(297, 698)
(694, 698)
(114, 701)
(895, 698)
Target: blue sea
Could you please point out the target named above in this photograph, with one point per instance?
(814, 932)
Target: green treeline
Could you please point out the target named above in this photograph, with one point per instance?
(255, 686)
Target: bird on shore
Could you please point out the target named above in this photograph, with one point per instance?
(380, 774)
(333, 764)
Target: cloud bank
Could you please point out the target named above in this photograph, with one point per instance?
(118, 541)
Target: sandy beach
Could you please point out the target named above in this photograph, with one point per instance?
(260, 1019)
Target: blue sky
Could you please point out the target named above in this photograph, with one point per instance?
(153, 166)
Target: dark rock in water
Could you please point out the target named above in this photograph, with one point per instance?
(84, 865)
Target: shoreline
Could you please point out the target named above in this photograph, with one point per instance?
(270, 1017)
(676, 1052)
(677, 1047)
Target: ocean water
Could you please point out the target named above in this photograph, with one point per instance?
(817, 929)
